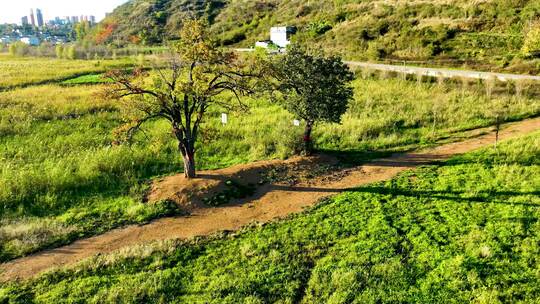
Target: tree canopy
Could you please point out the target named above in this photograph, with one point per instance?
(197, 75)
(313, 87)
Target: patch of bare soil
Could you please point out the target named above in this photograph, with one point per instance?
(283, 187)
(190, 194)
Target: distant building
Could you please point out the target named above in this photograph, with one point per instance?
(30, 40)
(39, 16)
(93, 19)
(24, 21)
(32, 18)
(5, 40)
(280, 35)
(74, 19)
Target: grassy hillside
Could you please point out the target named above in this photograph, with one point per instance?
(486, 31)
(465, 231)
(62, 177)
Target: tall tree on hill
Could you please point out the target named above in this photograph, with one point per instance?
(197, 76)
(81, 30)
(315, 88)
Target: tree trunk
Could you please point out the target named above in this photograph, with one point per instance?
(308, 143)
(187, 149)
(186, 146)
(189, 165)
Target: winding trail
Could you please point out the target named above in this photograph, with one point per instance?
(269, 203)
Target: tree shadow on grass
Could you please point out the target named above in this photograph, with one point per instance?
(489, 197)
(410, 160)
(355, 157)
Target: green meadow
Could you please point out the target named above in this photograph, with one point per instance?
(64, 177)
(24, 71)
(462, 231)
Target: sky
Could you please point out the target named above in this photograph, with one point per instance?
(11, 11)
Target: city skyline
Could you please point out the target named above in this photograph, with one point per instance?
(56, 8)
(37, 20)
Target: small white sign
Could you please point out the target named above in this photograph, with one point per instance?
(296, 122)
(224, 118)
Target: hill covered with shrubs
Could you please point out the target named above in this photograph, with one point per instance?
(482, 30)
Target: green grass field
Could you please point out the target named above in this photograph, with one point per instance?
(87, 79)
(62, 177)
(24, 71)
(463, 231)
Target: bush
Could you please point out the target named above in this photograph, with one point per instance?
(59, 50)
(319, 28)
(375, 51)
(531, 46)
(234, 38)
(72, 52)
(19, 49)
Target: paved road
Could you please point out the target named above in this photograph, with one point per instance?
(435, 72)
(441, 72)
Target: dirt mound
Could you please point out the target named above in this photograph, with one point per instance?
(191, 194)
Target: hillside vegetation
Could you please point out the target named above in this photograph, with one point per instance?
(464, 231)
(496, 32)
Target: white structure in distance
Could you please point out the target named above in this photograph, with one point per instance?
(296, 122)
(279, 36)
(31, 40)
(224, 118)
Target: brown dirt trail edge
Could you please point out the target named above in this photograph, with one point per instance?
(271, 202)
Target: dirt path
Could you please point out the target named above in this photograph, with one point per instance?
(272, 202)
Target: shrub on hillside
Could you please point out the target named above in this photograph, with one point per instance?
(376, 51)
(234, 38)
(531, 46)
(318, 28)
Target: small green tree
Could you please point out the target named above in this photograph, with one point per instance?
(65, 52)
(19, 49)
(81, 30)
(72, 52)
(44, 49)
(13, 49)
(59, 51)
(531, 46)
(315, 88)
